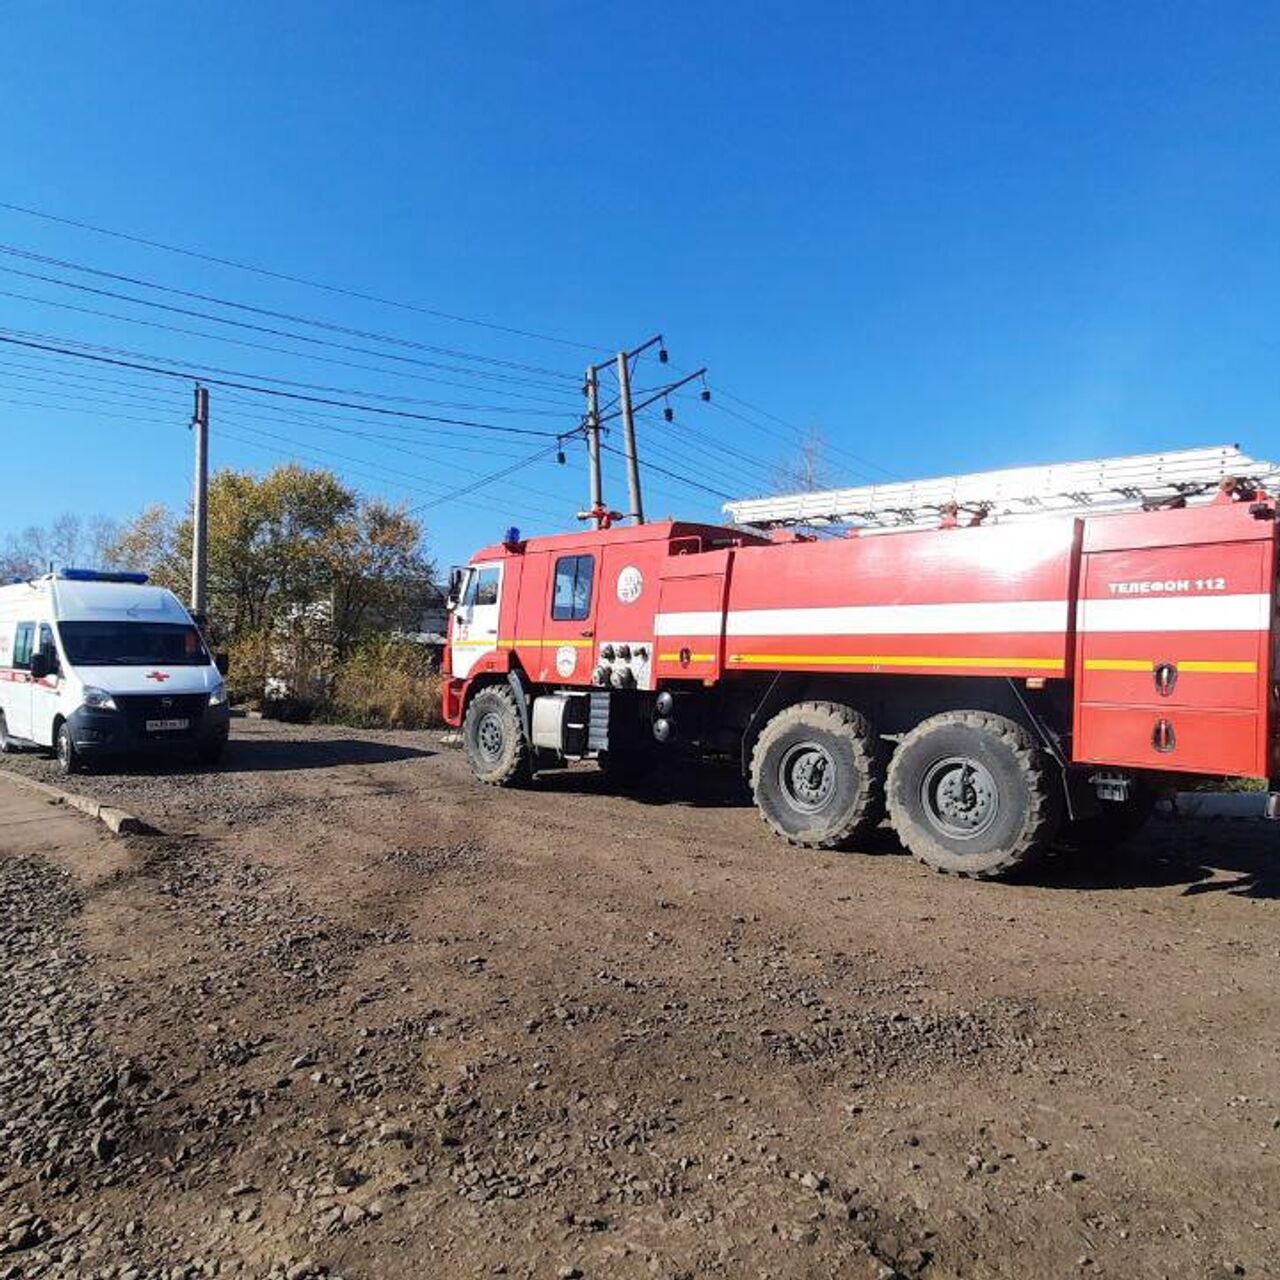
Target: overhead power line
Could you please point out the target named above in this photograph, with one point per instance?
(214, 318)
(330, 326)
(193, 377)
(266, 346)
(57, 341)
(288, 278)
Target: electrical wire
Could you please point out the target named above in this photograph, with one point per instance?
(287, 395)
(338, 290)
(28, 255)
(262, 346)
(56, 343)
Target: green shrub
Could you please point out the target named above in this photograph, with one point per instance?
(386, 683)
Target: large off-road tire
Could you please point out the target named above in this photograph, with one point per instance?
(7, 744)
(973, 794)
(817, 774)
(64, 748)
(494, 740)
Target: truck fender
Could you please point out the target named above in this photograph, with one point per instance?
(520, 687)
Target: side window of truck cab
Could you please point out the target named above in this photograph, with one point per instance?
(571, 598)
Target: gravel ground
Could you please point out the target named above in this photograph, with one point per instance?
(354, 1015)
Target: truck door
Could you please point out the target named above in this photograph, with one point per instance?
(475, 620)
(568, 624)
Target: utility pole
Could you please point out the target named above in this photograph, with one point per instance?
(593, 443)
(629, 437)
(200, 505)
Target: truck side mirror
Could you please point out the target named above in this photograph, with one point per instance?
(223, 662)
(455, 587)
(41, 664)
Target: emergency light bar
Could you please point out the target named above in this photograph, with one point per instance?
(100, 575)
(1072, 488)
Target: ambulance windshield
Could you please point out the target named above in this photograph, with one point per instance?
(132, 644)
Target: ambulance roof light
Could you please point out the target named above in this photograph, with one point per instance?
(101, 575)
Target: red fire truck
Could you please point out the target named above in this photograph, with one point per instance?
(999, 673)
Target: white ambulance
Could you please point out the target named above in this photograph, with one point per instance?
(99, 664)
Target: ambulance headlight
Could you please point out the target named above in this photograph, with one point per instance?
(218, 696)
(98, 699)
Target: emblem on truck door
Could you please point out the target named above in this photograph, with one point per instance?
(566, 659)
(630, 584)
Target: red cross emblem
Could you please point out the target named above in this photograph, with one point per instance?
(158, 676)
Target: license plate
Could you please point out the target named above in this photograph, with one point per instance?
(167, 726)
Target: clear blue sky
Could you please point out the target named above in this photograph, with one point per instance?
(950, 236)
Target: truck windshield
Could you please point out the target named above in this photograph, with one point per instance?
(132, 644)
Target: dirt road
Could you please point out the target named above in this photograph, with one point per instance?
(356, 1015)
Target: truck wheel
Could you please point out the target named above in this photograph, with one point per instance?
(817, 774)
(971, 793)
(65, 749)
(494, 738)
(7, 744)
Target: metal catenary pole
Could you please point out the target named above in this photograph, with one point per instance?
(200, 511)
(593, 441)
(629, 438)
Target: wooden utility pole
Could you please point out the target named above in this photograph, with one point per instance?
(593, 442)
(629, 438)
(200, 509)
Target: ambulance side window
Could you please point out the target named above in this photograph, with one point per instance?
(22, 645)
(571, 599)
(47, 646)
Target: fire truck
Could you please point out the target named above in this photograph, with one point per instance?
(999, 663)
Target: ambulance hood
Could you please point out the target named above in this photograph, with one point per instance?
(158, 680)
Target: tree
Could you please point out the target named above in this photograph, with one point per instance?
(288, 551)
(70, 539)
(150, 543)
(808, 468)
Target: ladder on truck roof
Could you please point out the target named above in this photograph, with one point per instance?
(1070, 488)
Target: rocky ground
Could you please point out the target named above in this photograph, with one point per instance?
(351, 1014)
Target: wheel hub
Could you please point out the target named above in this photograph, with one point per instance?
(489, 736)
(806, 776)
(960, 797)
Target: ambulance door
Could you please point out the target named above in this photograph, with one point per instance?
(18, 707)
(44, 692)
(475, 620)
(568, 621)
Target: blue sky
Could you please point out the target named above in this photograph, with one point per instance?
(949, 236)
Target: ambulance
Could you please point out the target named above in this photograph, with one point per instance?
(96, 665)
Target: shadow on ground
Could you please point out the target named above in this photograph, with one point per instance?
(268, 756)
(1241, 858)
(1204, 856)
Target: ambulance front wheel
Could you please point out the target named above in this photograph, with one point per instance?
(493, 738)
(817, 775)
(973, 794)
(64, 746)
(6, 742)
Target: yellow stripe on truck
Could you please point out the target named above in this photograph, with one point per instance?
(890, 660)
(1150, 664)
(523, 644)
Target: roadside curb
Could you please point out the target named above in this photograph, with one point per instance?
(117, 821)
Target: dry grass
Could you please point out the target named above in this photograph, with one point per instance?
(386, 684)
